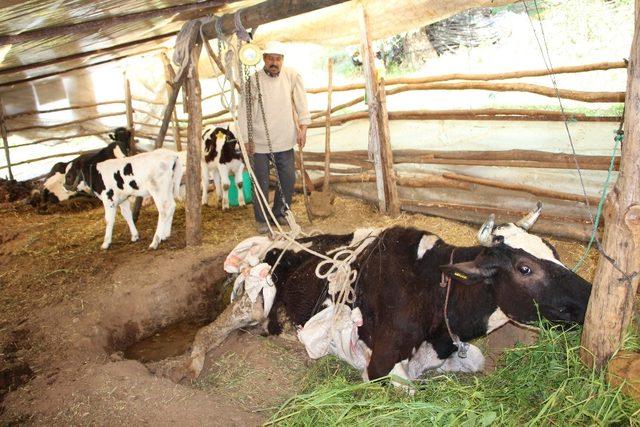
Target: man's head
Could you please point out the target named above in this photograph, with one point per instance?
(273, 56)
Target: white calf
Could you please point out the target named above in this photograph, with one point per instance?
(156, 173)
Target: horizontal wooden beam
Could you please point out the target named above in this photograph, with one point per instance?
(600, 66)
(56, 110)
(267, 11)
(64, 138)
(81, 55)
(79, 67)
(86, 119)
(95, 25)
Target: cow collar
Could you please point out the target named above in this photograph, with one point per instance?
(445, 282)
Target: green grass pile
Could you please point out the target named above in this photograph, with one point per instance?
(543, 384)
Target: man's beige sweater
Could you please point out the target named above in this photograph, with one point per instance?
(282, 96)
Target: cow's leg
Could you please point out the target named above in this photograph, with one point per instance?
(225, 184)
(204, 174)
(239, 183)
(125, 210)
(384, 354)
(216, 181)
(240, 313)
(473, 362)
(110, 219)
(162, 205)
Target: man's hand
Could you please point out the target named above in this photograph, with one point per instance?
(302, 136)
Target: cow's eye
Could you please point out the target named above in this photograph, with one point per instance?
(524, 270)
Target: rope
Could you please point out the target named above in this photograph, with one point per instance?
(627, 277)
(186, 38)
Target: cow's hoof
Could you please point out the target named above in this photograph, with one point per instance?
(135, 238)
(155, 243)
(105, 246)
(242, 203)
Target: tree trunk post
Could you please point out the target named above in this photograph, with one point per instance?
(5, 139)
(129, 107)
(327, 137)
(194, 150)
(378, 141)
(614, 288)
(169, 75)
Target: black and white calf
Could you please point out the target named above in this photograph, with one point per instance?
(156, 174)
(398, 311)
(223, 156)
(53, 190)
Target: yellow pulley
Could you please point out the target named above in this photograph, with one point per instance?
(249, 54)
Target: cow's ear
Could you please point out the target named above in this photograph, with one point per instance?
(467, 272)
(227, 127)
(113, 138)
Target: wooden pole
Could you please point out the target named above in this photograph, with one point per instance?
(327, 137)
(129, 107)
(169, 75)
(371, 82)
(267, 11)
(169, 108)
(95, 25)
(615, 284)
(379, 137)
(493, 76)
(5, 139)
(393, 203)
(194, 150)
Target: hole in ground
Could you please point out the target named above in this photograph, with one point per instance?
(176, 338)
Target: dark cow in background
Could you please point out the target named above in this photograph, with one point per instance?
(53, 189)
(512, 275)
(156, 173)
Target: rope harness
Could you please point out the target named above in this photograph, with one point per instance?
(445, 282)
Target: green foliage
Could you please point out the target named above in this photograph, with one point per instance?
(543, 384)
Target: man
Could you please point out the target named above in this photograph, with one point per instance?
(284, 101)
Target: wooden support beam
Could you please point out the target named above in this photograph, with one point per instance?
(327, 130)
(5, 139)
(129, 107)
(170, 75)
(74, 122)
(194, 150)
(601, 66)
(96, 52)
(616, 281)
(267, 11)
(378, 127)
(170, 107)
(55, 110)
(393, 203)
(95, 25)
(80, 67)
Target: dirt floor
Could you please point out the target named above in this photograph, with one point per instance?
(69, 311)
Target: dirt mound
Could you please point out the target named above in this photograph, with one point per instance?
(12, 190)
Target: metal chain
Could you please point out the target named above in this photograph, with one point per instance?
(271, 155)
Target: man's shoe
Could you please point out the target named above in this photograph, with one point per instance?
(262, 228)
(282, 220)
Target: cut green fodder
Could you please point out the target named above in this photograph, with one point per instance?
(541, 384)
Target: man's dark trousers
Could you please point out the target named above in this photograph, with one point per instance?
(285, 164)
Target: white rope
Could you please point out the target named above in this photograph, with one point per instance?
(338, 271)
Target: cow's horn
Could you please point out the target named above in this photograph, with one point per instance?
(527, 222)
(484, 235)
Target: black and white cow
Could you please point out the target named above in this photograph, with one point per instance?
(223, 156)
(53, 190)
(400, 303)
(156, 173)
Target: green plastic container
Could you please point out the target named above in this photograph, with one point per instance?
(246, 189)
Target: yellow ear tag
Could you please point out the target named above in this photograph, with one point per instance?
(220, 135)
(460, 275)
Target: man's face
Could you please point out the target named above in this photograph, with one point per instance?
(272, 63)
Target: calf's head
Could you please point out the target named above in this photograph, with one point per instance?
(216, 141)
(122, 138)
(524, 274)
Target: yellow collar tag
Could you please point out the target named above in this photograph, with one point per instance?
(460, 275)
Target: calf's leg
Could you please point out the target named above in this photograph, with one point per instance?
(125, 210)
(224, 180)
(238, 314)
(239, 183)
(110, 219)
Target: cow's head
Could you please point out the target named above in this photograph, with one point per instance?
(524, 274)
(216, 140)
(73, 177)
(121, 137)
